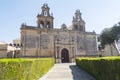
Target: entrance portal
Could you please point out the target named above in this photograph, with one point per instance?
(64, 56)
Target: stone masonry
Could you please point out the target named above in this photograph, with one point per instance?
(63, 44)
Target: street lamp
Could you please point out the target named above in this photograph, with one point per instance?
(100, 47)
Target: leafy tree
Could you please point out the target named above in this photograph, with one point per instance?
(109, 35)
(116, 32)
(106, 37)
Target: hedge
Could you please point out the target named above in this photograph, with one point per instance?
(106, 68)
(24, 69)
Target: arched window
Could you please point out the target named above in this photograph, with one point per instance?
(45, 13)
(76, 27)
(41, 25)
(48, 25)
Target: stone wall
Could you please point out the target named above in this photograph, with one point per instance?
(107, 51)
(49, 43)
(3, 50)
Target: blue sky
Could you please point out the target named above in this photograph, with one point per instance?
(98, 14)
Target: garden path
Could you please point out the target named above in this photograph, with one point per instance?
(66, 71)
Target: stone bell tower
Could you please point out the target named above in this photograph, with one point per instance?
(78, 24)
(45, 20)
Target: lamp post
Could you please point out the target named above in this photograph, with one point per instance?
(100, 47)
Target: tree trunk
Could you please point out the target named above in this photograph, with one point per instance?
(115, 48)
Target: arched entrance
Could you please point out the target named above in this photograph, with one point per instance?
(64, 56)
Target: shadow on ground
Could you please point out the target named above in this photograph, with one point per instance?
(79, 74)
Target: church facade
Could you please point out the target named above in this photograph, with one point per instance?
(64, 44)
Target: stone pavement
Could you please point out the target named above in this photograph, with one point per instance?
(66, 71)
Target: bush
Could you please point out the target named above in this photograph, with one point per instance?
(40, 67)
(106, 68)
(24, 69)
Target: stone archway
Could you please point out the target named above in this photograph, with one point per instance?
(64, 56)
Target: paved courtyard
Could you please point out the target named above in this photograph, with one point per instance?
(66, 71)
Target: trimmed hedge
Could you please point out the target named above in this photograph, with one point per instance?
(24, 69)
(106, 68)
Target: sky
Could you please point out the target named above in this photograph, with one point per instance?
(98, 14)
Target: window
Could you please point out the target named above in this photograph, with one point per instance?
(45, 13)
(48, 25)
(76, 27)
(41, 25)
(98, 39)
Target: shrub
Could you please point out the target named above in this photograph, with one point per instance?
(24, 69)
(40, 67)
(106, 68)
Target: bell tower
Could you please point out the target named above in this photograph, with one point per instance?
(45, 20)
(78, 24)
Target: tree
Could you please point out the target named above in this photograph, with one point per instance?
(109, 35)
(106, 37)
(116, 32)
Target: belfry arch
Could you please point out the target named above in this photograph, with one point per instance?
(41, 25)
(48, 25)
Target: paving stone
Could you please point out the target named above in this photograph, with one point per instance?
(66, 71)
